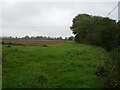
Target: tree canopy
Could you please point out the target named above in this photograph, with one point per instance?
(95, 30)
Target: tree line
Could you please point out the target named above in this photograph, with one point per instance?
(96, 30)
(37, 38)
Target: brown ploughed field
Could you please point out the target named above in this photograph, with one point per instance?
(34, 42)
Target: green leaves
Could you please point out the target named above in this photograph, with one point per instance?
(95, 30)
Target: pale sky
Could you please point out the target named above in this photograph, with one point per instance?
(48, 18)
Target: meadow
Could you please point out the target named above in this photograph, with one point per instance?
(68, 65)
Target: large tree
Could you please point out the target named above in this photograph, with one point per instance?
(95, 30)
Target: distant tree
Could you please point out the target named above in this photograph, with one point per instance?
(71, 38)
(26, 37)
(33, 38)
(60, 38)
(16, 38)
(66, 38)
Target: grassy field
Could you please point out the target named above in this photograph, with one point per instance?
(67, 66)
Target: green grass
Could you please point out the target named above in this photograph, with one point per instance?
(114, 65)
(66, 66)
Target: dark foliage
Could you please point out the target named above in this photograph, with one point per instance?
(96, 30)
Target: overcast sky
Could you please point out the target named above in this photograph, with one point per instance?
(48, 18)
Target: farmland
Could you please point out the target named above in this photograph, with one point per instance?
(35, 42)
(66, 65)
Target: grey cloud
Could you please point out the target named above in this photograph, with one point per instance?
(51, 19)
